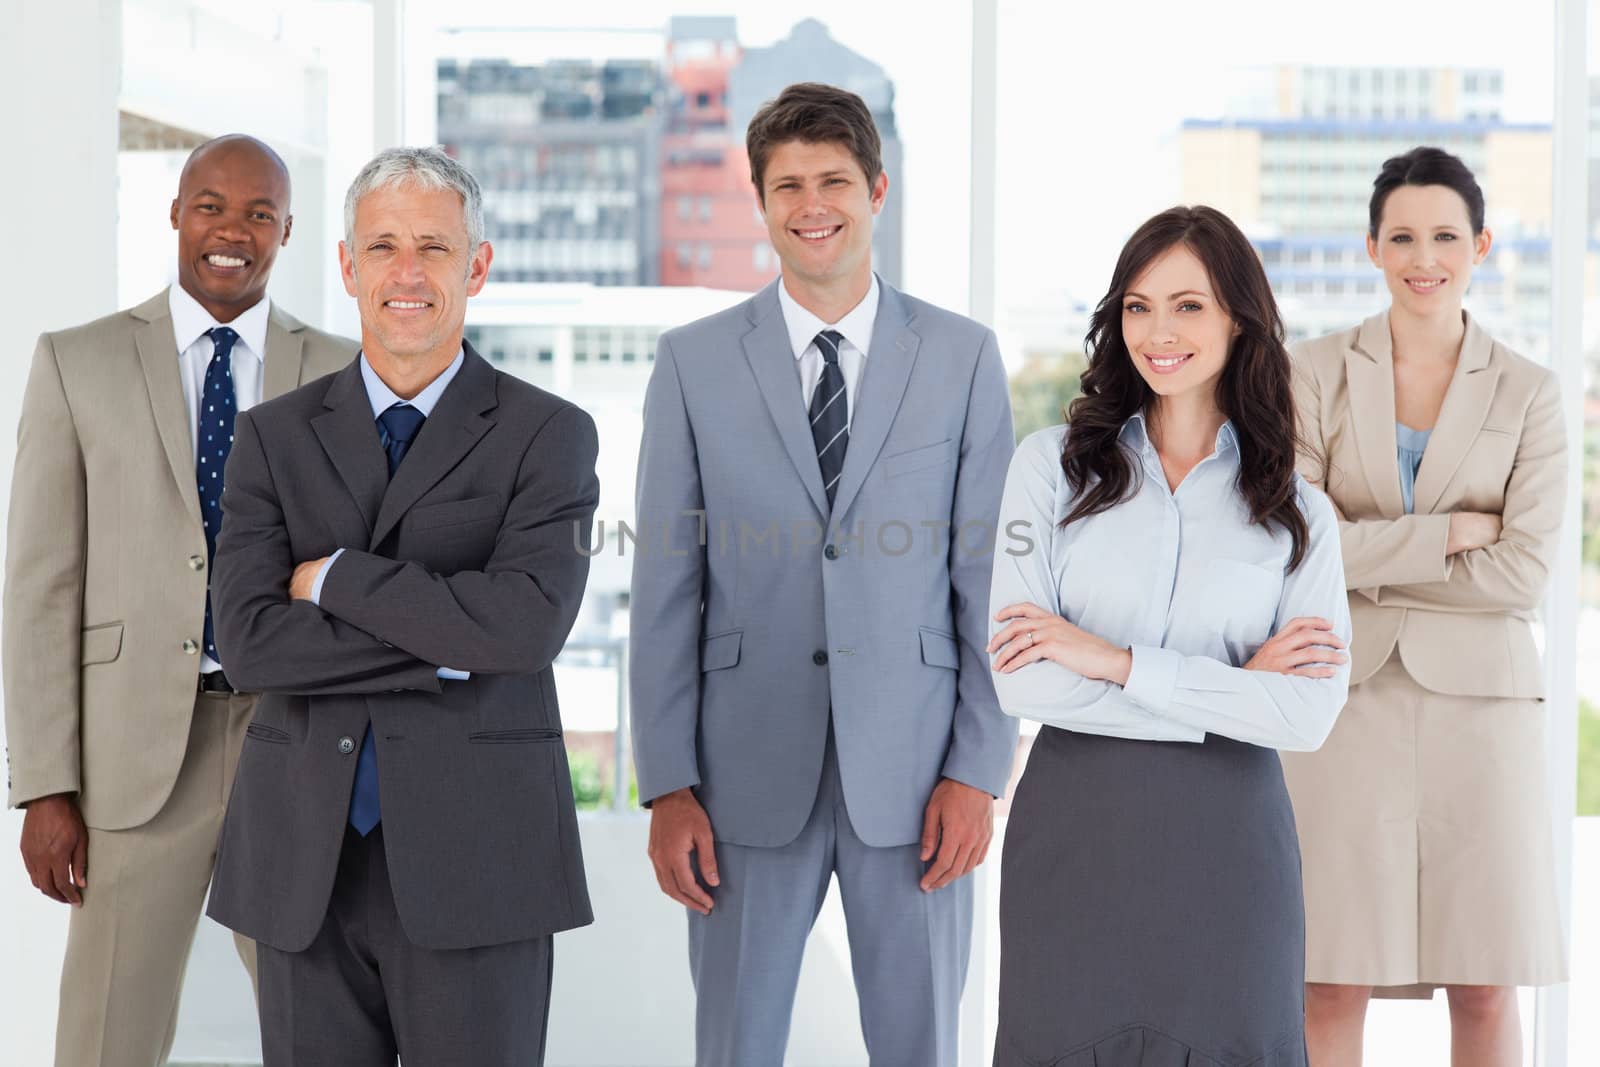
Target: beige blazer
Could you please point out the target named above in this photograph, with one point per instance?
(105, 572)
(1461, 623)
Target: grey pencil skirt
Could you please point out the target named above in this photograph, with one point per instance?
(1150, 908)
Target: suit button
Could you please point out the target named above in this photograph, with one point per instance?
(347, 745)
(830, 552)
(189, 647)
(820, 658)
(197, 563)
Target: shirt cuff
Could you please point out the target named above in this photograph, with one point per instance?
(322, 576)
(1154, 678)
(449, 675)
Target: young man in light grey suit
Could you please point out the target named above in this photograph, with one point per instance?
(122, 726)
(819, 475)
(398, 569)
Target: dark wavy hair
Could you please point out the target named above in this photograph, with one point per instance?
(1425, 165)
(1253, 390)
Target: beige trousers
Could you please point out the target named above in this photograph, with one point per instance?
(128, 945)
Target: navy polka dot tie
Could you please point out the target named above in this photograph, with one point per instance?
(217, 410)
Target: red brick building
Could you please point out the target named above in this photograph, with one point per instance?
(711, 232)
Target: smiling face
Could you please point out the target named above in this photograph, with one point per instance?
(1426, 249)
(232, 216)
(819, 207)
(411, 271)
(1175, 329)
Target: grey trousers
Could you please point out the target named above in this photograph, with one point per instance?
(362, 994)
(908, 948)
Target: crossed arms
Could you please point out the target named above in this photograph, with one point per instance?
(383, 624)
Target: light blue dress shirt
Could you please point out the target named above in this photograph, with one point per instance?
(382, 398)
(1186, 581)
(1409, 446)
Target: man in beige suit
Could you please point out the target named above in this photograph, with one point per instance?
(122, 729)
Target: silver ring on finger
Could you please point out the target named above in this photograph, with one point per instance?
(1030, 639)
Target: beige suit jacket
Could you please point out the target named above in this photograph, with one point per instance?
(105, 574)
(1461, 623)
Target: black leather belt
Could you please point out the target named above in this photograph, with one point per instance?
(215, 682)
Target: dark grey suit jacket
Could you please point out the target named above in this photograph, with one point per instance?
(468, 559)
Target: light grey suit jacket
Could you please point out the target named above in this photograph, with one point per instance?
(745, 638)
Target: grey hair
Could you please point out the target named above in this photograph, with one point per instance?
(427, 168)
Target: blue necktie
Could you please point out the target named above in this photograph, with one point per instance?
(397, 428)
(218, 407)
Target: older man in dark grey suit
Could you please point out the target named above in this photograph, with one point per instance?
(397, 570)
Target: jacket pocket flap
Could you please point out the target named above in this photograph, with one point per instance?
(939, 649)
(513, 737)
(720, 650)
(262, 732)
(455, 512)
(100, 644)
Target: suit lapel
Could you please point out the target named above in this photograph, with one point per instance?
(453, 430)
(1466, 405)
(884, 375)
(777, 373)
(350, 438)
(1369, 372)
(283, 358)
(158, 355)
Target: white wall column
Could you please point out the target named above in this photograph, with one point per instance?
(388, 73)
(979, 1001)
(60, 184)
(1569, 227)
(981, 300)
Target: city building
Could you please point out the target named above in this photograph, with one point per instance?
(568, 155)
(632, 171)
(712, 233)
(1293, 163)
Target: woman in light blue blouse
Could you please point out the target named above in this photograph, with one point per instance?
(1169, 602)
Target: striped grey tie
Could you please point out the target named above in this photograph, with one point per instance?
(830, 414)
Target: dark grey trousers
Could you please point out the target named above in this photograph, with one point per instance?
(362, 994)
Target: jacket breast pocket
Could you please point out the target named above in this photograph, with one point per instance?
(937, 454)
(100, 644)
(455, 512)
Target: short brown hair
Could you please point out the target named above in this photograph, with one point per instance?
(813, 113)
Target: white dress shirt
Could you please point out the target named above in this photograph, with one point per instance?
(190, 322)
(1186, 581)
(855, 327)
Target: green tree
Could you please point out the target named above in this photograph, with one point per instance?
(587, 787)
(1042, 389)
(1588, 758)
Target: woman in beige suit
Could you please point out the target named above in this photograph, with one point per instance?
(1423, 820)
